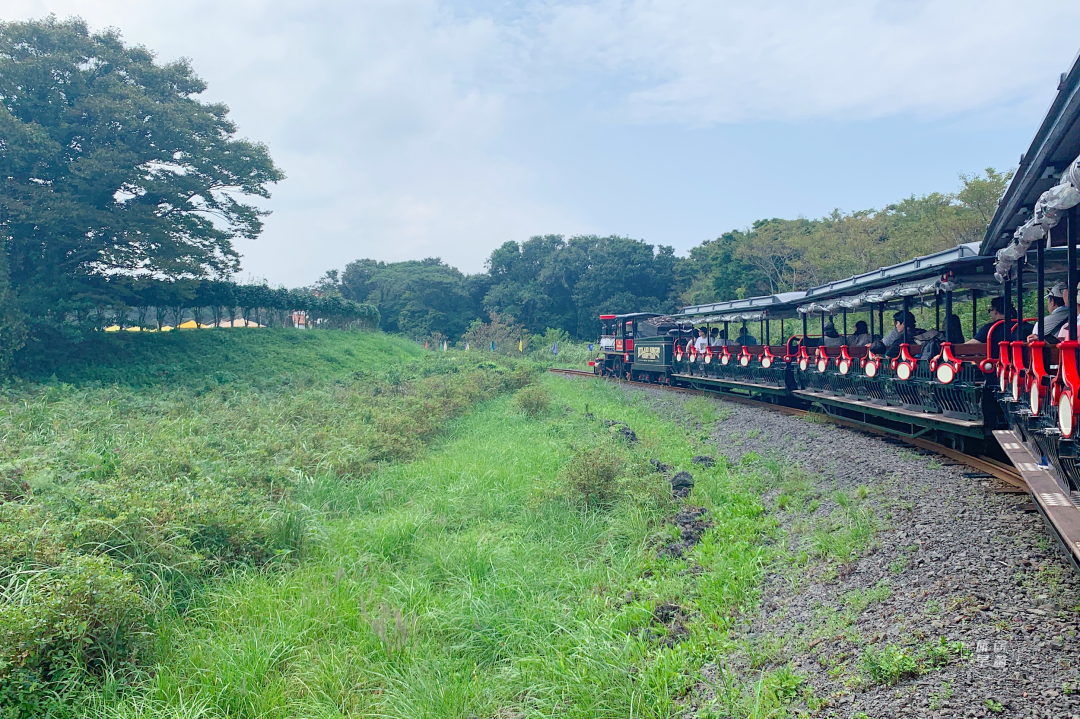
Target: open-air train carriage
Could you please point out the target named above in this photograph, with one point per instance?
(1015, 389)
(790, 360)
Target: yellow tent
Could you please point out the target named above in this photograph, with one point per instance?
(189, 325)
(113, 328)
(166, 328)
(134, 329)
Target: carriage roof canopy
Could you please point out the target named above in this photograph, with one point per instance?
(1053, 148)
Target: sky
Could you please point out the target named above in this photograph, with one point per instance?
(443, 128)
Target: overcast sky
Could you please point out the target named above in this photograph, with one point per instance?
(417, 128)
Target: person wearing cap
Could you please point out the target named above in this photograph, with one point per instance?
(832, 338)
(1057, 302)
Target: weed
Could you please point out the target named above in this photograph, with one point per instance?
(938, 698)
(592, 475)
(858, 600)
(845, 534)
(897, 566)
(994, 706)
(889, 665)
(940, 654)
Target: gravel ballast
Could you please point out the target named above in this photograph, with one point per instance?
(964, 581)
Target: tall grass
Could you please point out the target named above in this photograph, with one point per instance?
(120, 501)
(472, 583)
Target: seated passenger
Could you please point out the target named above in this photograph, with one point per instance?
(997, 314)
(930, 341)
(1057, 302)
(902, 321)
(832, 338)
(702, 341)
(715, 338)
(723, 341)
(862, 337)
(745, 338)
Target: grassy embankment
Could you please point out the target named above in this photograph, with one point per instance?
(513, 571)
(164, 461)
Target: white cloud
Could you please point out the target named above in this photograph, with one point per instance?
(703, 61)
(408, 128)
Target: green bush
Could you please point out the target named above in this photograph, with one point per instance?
(58, 625)
(592, 475)
(533, 401)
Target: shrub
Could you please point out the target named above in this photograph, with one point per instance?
(533, 400)
(592, 475)
(57, 625)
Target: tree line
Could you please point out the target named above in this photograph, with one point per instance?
(140, 302)
(564, 283)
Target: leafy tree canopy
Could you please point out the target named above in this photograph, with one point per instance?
(109, 163)
(417, 298)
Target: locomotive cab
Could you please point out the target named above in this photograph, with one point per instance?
(617, 343)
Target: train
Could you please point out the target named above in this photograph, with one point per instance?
(1004, 385)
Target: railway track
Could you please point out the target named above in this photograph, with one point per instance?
(1011, 479)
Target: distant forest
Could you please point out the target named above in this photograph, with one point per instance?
(552, 281)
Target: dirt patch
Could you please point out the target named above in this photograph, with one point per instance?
(692, 524)
(669, 624)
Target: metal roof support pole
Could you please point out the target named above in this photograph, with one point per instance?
(823, 327)
(804, 325)
(768, 323)
(881, 319)
(974, 312)
(1006, 298)
(1074, 230)
(907, 325)
(871, 324)
(761, 329)
(948, 318)
(1040, 283)
(1020, 294)
(937, 311)
(845, 324)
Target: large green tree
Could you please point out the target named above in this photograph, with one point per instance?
(109, 163)
(417, 298)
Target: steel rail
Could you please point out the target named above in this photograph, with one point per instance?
(1009, 475)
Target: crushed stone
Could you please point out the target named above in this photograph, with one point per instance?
(952, 560)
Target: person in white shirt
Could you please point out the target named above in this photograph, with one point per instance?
(702, 340)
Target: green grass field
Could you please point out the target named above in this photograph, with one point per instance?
(482, 580)
(175, 459)
(346, 525)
